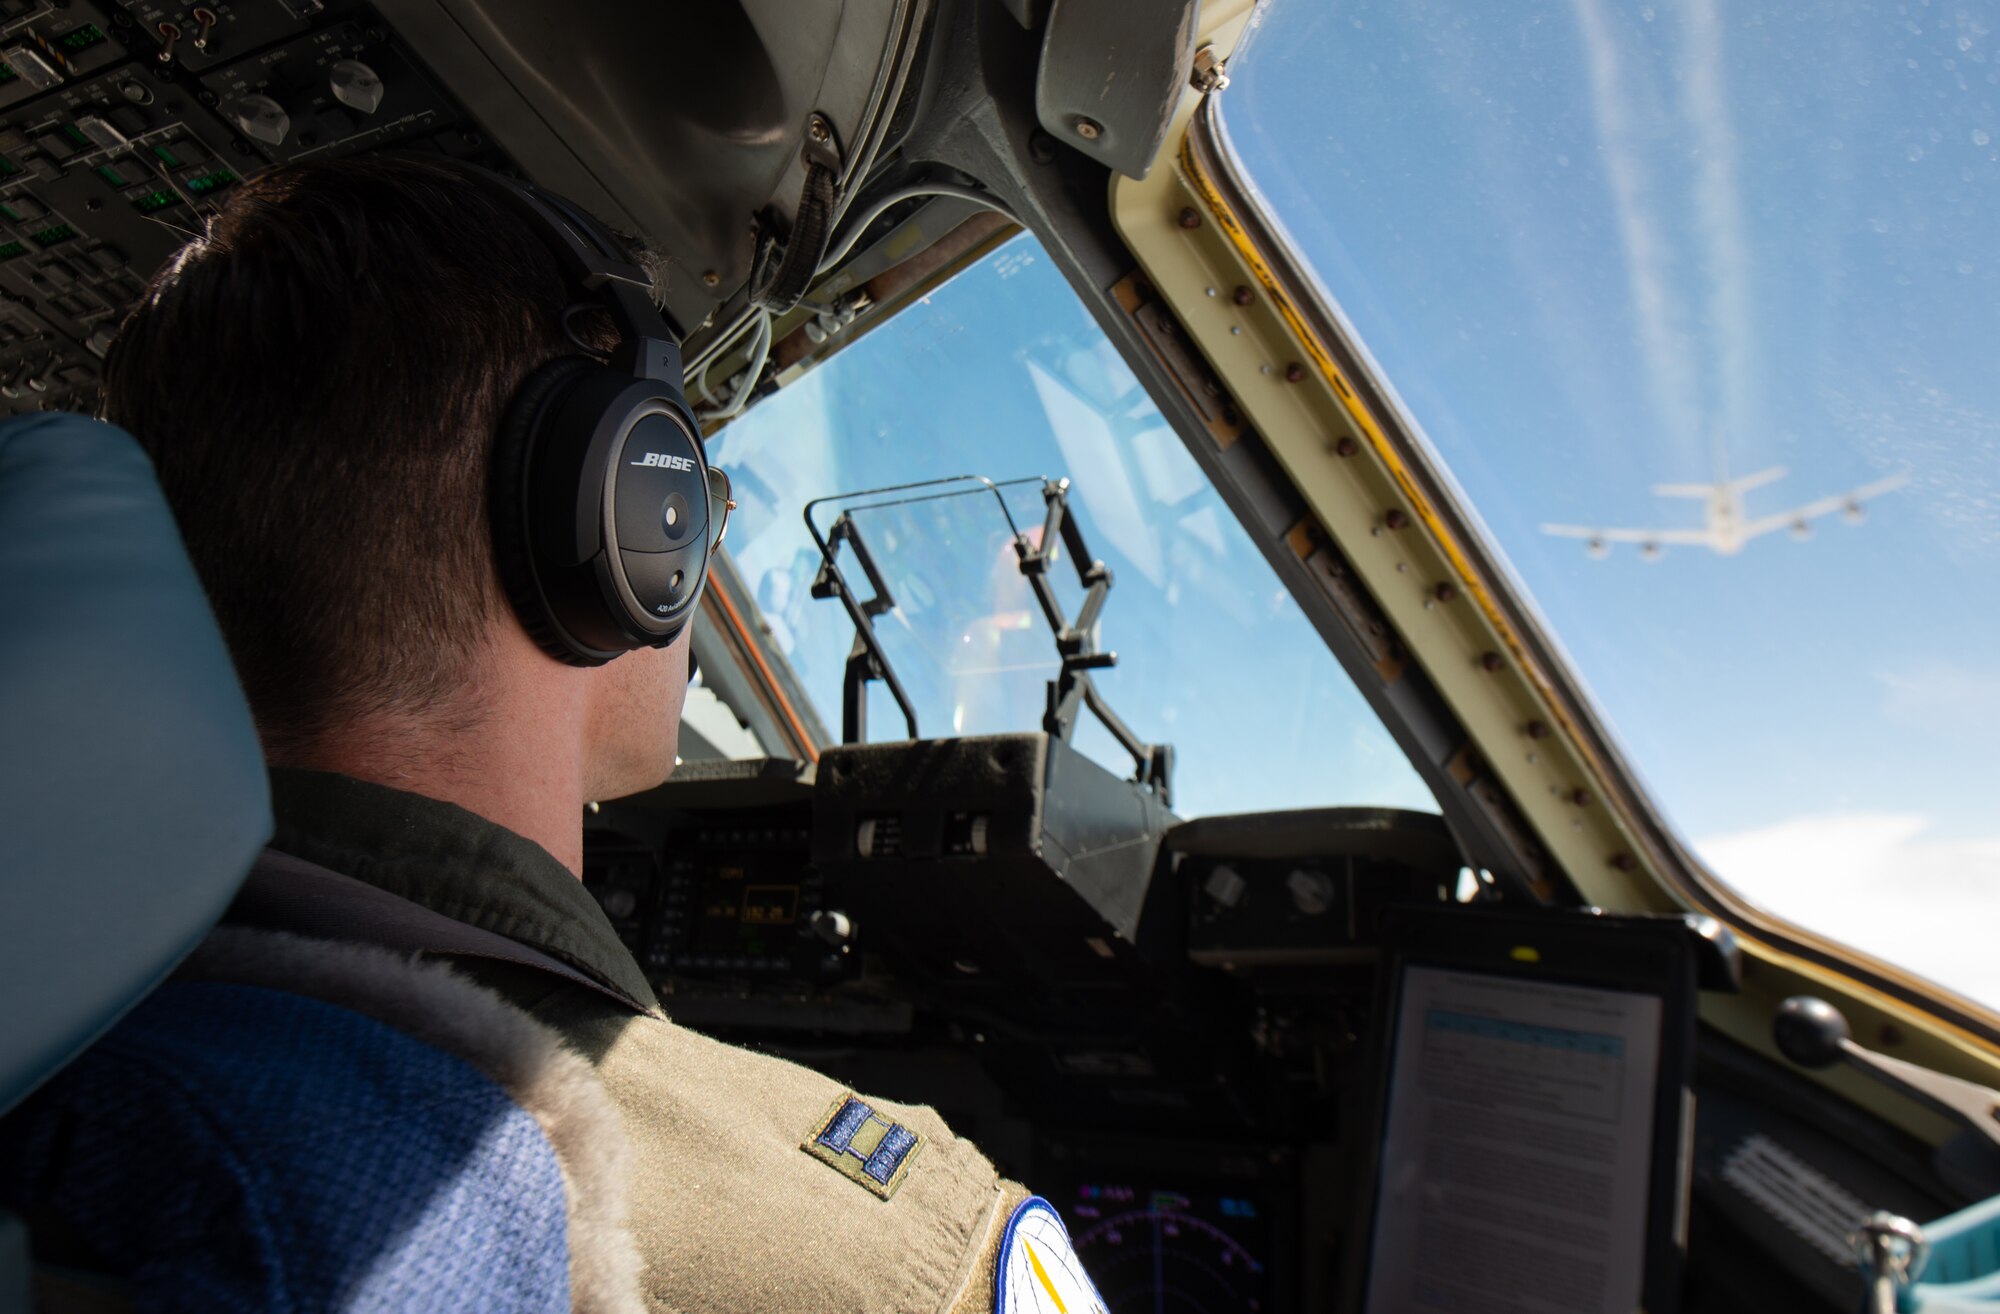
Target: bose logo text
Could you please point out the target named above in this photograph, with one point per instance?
(666, 461)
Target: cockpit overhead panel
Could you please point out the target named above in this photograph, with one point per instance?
(121, 126)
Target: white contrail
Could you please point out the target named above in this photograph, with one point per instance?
(1718, 213)
(1671, 373)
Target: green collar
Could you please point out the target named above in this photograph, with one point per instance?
(453, 862)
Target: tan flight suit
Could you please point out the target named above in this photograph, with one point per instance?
(731, 1214)
(730, 1209)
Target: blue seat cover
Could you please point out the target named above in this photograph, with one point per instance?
(132, 790)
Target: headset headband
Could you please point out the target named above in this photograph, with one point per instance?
(598, 263)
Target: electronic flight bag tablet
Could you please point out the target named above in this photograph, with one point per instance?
(1533, 1113)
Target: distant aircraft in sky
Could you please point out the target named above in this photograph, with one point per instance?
(1726, 526)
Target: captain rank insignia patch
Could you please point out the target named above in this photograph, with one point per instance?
(1039, 1272)
(863, 1145)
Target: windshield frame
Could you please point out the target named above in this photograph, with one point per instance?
(1212, 170)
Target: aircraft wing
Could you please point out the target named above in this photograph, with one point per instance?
(1825, 506)
(1758, 480)
(1663, 537)
(1743, 485)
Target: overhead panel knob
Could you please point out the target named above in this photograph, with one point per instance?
(262, 119)
(356, 86)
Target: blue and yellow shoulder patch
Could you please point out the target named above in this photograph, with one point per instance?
(1038, 1271)
(863, 1145)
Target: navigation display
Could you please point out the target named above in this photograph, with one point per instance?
(1516, 1161)
(1176, 1248)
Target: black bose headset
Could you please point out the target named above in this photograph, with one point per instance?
(604, 508)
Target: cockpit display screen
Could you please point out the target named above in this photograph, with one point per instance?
(747, 907)
(1150, 1248)
(739, 900)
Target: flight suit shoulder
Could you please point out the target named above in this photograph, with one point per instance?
(758, 1184)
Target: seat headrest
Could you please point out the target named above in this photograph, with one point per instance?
(132, 791)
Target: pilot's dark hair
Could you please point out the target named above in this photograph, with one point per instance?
(318, 381)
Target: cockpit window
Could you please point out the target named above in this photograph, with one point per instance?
(1001, 372)
(1698, 302)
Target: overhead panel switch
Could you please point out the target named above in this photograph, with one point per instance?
(36, 71)
(100, 132)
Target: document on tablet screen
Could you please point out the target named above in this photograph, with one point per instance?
(1516, 1156)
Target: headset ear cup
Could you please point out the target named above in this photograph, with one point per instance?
(522, 426)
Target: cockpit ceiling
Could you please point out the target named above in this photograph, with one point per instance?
(682, 121)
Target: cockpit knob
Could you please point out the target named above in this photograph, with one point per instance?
(262, 119)
(1312, 891)
(356, 85)
(1225, 886)
(1810, 1032)
(836, 928)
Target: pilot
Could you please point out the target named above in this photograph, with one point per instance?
(318, 380)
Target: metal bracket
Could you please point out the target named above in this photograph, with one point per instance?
(1076, 642)
(1890, 1252)
(866, 662)
(1211, 71)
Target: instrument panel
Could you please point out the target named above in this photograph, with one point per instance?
(1070, 991)
(735, 896)
(1180, 1062)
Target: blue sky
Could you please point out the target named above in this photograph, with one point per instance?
(1002, 372)
(1586, 241)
